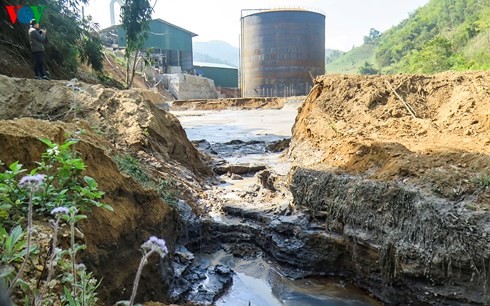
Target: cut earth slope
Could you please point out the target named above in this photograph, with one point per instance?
(108, 123)
(409, 194)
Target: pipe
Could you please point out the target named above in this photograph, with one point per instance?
(113, 17)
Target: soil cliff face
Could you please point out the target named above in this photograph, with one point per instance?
(128, 117)
(358, 125)
(107, 122)
(113, 238)
(400, 167)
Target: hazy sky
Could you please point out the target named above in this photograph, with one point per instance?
(347, 21)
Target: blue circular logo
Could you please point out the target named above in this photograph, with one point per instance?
(25, 15)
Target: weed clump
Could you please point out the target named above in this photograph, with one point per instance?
(55, 189)
(130, 165)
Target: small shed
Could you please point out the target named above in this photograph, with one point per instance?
(223, 75)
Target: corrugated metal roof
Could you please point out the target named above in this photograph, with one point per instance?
(214, 65)
(177, 27)
(159, 20)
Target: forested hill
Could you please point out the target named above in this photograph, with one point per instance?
(442, 35)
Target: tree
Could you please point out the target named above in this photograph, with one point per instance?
(373, 37)
(90, 46)
(135, 15)
(367, 69)
(436, 56)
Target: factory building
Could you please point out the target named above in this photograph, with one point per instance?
(222, 75)
(281, 51)
(170, 45)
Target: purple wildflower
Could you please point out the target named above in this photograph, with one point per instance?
(81, 267)
(60, 210)
(157, 245)
(31, 180)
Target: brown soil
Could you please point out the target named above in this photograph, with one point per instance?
(222, 104)
(129, 118)
(109, 122)
(112, 238)
(356, 124)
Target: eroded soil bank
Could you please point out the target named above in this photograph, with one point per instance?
(406, 192)
(390, 189)
(249, 226)
(392, 200)
(109, 124)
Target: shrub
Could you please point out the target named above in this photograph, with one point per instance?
(57, 186)
(132, 167)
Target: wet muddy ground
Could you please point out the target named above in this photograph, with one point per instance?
(242, 137)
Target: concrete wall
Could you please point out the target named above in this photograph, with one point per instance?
(187, 87)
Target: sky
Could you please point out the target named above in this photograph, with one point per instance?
(346, 23)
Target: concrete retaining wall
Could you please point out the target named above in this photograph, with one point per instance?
(186, 87)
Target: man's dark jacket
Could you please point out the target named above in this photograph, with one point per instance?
(36, 38)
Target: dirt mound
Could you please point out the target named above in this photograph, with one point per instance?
(113, 238)
(222, 104)
(363, 125)
(129, 117)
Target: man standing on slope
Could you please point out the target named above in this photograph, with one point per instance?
(37, 37)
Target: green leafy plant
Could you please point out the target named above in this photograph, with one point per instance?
(135, 15)
(166, 191)
(13, 250)
(9, 193)
(483, 180)
(65, 184)
(68, 297)
(79, 285)
(33, 183)
(13, 245)
(132, 166)
(63, 190)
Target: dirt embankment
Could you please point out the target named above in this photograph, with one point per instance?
(129, 118)
(233, 103)
(113, 238)
(108, 122)
(357, 124)
(408, 189)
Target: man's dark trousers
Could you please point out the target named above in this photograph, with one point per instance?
(39, 68)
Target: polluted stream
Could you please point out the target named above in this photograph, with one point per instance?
(242, 137)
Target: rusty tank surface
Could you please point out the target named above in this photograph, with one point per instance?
(281, 51)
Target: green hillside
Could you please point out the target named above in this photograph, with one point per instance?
(442, 35)
(352, 61)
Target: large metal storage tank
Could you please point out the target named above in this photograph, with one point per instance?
(280, 51)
